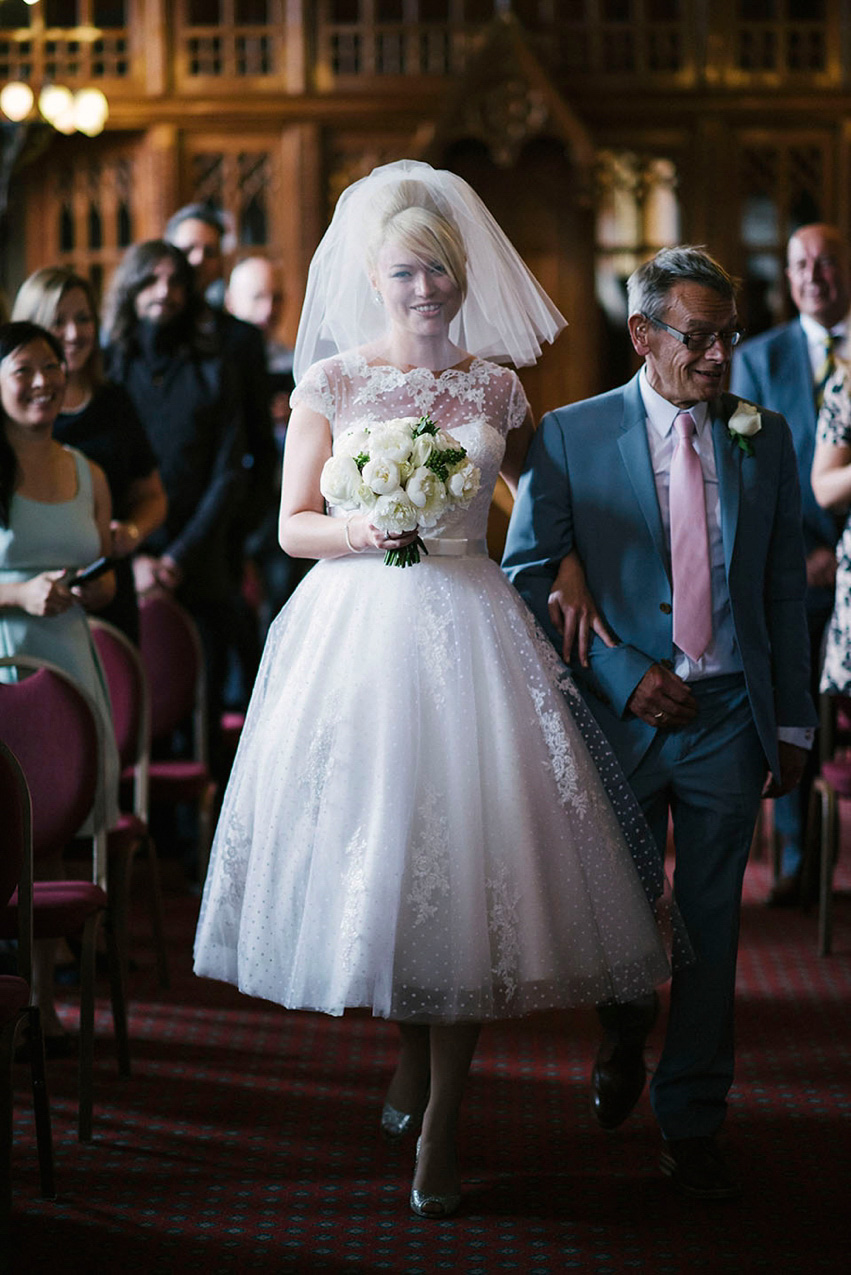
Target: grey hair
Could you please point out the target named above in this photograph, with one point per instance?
(647, 287)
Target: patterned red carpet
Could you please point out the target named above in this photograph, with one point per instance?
(246, 1140)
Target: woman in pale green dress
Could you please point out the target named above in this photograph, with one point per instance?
(54, 519)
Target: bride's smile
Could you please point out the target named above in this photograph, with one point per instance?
(420, 297)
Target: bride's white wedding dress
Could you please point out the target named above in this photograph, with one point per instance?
(415, 822)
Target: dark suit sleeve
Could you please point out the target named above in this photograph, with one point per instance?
(786, 582)
(254, 374)
(226, 477)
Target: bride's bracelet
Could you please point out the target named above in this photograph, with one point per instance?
(352, 549)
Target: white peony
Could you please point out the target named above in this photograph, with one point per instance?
(394, 514)
(392, 439)
(422, 449)
(340, 481)
(381, 474)
(428, 494)
(444, 442)
(463, 482)
(365, 497)
(352, 442)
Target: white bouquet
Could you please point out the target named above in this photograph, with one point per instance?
(405, 473)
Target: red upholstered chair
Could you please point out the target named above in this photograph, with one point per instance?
(131, 716)
(16, 868)
(832, 783)
(174, 664)
(56, 732)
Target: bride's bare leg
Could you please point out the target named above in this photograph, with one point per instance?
(452, 1049)
(408, 1088)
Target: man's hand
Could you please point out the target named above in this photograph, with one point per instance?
(821, 568)
(155, 573)
(573, 611)
(792, 762)
(662, 699)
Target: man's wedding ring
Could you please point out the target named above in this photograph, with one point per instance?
(658, 716)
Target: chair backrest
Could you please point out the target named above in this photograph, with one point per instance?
(131, 704)
(16, 863)
(174, 663)
(55, 730)
(128, 692)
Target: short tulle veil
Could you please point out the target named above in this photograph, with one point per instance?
(506, 314)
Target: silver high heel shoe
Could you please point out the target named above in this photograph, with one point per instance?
(396, 1124)
(433, 1207)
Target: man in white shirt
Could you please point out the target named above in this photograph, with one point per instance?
(697, 669)
(786, 369)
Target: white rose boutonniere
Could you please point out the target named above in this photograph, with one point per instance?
(743, 424)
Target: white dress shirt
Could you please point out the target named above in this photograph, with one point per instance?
(816, 335)
(722, 654)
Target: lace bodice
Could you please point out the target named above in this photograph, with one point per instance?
(478, 406)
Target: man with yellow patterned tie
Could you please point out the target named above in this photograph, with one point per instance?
(787, 369)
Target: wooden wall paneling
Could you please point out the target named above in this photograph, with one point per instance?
(300, 216)
(34, 236)
(781, 178)
(843, 176)
(153, 26)
(296, 20)
(158, 180)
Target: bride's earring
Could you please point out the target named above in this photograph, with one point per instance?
(377, 297)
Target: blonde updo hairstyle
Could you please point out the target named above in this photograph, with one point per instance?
(410, 214)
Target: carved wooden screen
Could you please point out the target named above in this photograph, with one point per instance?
(616, 37)
(83, 214)
(357, 40)
(783, 184)
(775, 41)
(242, 40)
(72, 42)
(241, 177)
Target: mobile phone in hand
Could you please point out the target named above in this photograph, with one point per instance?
(97, 568)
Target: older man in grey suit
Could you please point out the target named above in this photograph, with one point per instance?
(787, 369)
(682, 505)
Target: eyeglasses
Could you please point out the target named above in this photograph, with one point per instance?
(698, 340)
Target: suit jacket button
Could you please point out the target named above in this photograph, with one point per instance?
(665, 608)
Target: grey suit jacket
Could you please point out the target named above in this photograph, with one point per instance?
(588, 484)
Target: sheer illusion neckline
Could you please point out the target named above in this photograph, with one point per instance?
(457, 369)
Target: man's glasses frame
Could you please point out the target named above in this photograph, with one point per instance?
(698, 341)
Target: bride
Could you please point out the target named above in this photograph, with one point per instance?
(422, 818)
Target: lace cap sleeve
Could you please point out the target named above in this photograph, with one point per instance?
(314, 391)
(518, 403)
(834, 422)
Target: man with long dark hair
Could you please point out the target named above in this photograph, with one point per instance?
(187, 398)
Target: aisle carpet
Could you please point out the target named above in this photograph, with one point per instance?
(246, 1139)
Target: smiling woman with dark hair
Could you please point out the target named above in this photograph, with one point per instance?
(99, 418)
(54, 519)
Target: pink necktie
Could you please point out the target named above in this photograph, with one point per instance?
(689, 545)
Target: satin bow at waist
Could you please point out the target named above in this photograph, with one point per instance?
(444, 547)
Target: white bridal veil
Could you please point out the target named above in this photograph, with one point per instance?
(506, 313)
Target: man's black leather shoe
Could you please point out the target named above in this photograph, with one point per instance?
(696, 1167)
(617, 1082)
